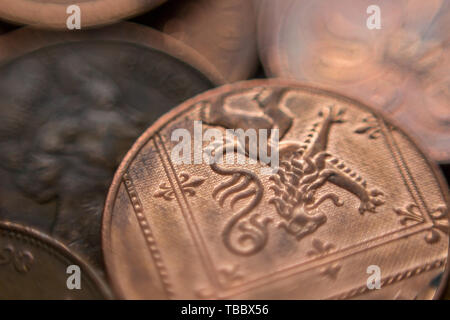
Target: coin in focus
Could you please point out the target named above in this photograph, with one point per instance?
(328, 43)
(35, 266)
(55, 14)
(71, 107)
(351, 193)
(222, 31)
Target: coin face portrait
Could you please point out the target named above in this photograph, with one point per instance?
(35, 266)
(350, 209)
(70, 110)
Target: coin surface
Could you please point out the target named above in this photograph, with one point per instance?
(55, 13)
(401, 68)
(222, 31)
(352, 194)
(71, 105)
(35, 266)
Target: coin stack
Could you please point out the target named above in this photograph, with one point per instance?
(224, 149)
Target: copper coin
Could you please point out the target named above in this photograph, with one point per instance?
(35, 266)
(55, 13)
(328, 42)
(71, 106)
(222, 31)
(352, 194)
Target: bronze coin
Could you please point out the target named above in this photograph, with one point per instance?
(54, 14)
(352, 194)
(35, 266)
(222, 31)
(328, 43)
(72, 104)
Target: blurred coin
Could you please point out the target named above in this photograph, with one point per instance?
(222, 31)
(54, 14)
(328, 43)
(71, 105)
(353, 206)
(35, 266)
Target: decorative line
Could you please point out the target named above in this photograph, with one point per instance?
(148, 235)
(186, 211)
(392, 279)
(317, 262)
(405, 172)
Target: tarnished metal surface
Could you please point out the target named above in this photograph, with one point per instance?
(71, 105)
(34, 266)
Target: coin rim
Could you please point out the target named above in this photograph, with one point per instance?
(27, 39)
(108, 254)
(54, 16)
(51, 245)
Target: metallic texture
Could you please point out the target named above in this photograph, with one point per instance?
(34, 266)
(223, 31)
(71, 105)
(352, 191)
(52, 14)
(401, 69)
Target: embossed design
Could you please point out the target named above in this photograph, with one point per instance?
(440, 223)
(245, 235)
(370, 126)
(408, 214)
(253, 231)
(331, 271)
(21, 260)
(187, 186)
(320, 248)
(304, 168)
(60, 154)
(227, 276)
(393, 279)
(148, 234)
(309, 168)
(269, 111)
(230, 275)
(438, 216)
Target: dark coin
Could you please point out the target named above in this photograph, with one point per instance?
(54, 14)
(35, 266)
(71, 105)
(352, 200)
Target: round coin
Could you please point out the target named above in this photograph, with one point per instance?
(71, 107)
(222, 31)
(350, 205)
(329, 43)
(56, 14)
(35, 266)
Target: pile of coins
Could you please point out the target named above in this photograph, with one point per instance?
(138, 161)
